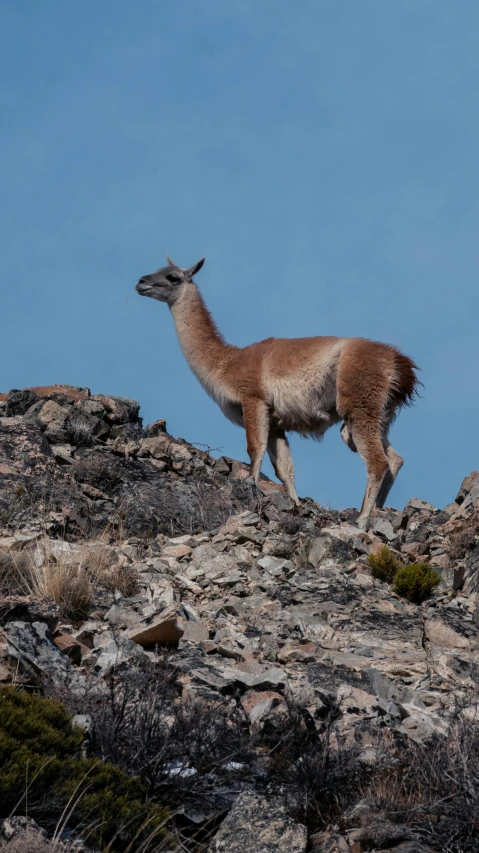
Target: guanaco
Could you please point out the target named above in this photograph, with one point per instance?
(303, 385)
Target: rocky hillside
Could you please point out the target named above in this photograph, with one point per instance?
(269, 674)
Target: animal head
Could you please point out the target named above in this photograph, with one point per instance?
(167, 284)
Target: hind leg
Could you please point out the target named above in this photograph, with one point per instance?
(347, 437)
(366, 436)
(387, 478)
(280, 455)
(395, 462)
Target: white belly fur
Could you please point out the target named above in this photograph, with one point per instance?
(305, 401)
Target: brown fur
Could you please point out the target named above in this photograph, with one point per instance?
(302, 385)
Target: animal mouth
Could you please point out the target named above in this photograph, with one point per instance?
(143, 287)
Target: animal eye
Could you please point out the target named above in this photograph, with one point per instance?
(172, 277)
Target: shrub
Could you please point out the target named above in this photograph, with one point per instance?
(141, 728)
(41, 771)
(79, 430)
(99, 470)
(416, 582)
(433, 788)
(384, 564)
(318, 774)
(183, 751)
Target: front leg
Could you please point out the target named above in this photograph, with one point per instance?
(256, 421)
(280, 455)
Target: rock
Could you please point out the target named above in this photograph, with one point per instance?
(70, 646)
(220, 566)
(19, 826)
(121, 471)
(258, 704)
(176, 551)
(259, 825)
(33, 653)
(119, 616)
(156, 428)
(51, 413)
(90, 407)
(110, 652)
(259, 610)
(383, 528)
(276, 566)
(442, 635)
(302, 652)
(86, 634)
(267, 679)
(329, 547)
(26, 609)
(23, 835)
(469, 491)
(330, 842)
(471, 570)
(19, 402)
(418, 504)
(195, 632)
(452, 577)
(165, 629)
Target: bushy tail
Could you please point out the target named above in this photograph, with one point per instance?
(404, 387)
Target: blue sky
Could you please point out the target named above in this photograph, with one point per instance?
(323, 156)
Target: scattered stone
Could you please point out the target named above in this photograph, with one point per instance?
(166, 629)
(259, 825)
(256, 606)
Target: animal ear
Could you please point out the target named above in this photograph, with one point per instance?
(194, 269)
(170, 262)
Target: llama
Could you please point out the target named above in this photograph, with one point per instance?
(303, 385)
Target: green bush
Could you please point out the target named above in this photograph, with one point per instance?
(416, 582)
(384, 564)
(42, 772)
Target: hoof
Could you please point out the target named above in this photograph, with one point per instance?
(363, 523)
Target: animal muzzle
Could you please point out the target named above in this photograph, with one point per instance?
(143, 286)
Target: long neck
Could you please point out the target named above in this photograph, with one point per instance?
(200, 340)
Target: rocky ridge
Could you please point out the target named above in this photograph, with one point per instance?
(253, 602)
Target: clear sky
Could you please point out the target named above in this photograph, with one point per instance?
(322, 155)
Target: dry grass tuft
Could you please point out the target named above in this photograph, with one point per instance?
(68, 579)
(72, 578)
(67, 584)
(122, 578)
(15, 573)
(79, 430)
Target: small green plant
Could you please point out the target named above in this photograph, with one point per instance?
(384, 564)
(43, 774)
(416, 582)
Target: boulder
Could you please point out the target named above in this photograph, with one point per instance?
(259, 825)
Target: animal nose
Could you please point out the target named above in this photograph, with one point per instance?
(142, 280)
